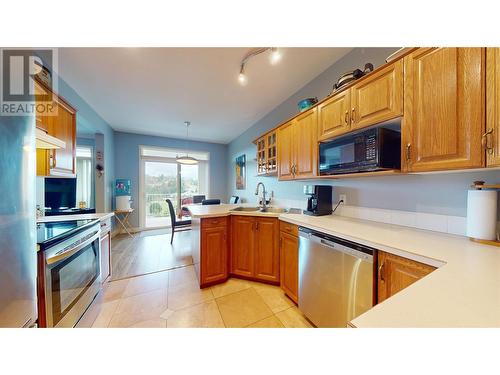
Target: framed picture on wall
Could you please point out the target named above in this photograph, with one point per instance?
(240, 172)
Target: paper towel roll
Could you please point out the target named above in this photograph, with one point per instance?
(482, 214)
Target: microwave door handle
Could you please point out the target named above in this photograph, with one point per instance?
(67, 253)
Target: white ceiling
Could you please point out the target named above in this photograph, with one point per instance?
(154, 90)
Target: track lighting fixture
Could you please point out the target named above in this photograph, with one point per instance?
(274, 59)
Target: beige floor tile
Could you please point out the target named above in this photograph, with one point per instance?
(139, 308)
(204, 315)
(91, 313)
(242, 308)
(183, 275)
(230, 286)
(113, 290)
(166, 314)
(152, 323)
(106, 311)
(274, 297)
(271, 322)
(293, 318)
(146, 283)
(186, 295)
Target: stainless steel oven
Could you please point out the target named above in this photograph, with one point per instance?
(70, 277)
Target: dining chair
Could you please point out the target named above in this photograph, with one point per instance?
(206, 202)
(176, 224)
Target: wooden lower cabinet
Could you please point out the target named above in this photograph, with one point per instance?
(396, 273)
(267, 252)
(255, 248)
(242, 245)
(289, 265)
(214, 251)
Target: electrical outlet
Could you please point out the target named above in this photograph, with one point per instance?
(343, 197)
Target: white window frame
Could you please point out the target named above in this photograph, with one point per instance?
(92, 174)
(142, 162)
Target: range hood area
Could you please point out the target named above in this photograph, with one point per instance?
(46, 141)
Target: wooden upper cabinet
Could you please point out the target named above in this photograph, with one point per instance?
(396, 273)
(267, 154)
(214, 254)
(267, 252)
(491, 139)
(289, 265)
(444, 109)
(60, 124)
(305, 144)
(285, 153)
(243, 245)
(334, 116)
(64, 128)
(378, 97)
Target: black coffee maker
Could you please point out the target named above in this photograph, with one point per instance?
(320, 200)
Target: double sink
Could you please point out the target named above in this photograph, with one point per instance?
(271, 210)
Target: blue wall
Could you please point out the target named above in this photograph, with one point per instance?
(432, 193)
(127, 162)
(89, 119)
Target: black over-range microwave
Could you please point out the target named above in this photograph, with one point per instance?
(371, 150)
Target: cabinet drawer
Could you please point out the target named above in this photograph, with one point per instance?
(289, 228)
(213, 222)
(105, 226)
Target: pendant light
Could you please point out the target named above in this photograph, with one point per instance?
(186, 159)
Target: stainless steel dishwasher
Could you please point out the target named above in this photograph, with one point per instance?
(335, 278)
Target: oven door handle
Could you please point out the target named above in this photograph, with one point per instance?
(67, 253)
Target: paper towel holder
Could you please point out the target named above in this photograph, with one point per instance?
(480, 185)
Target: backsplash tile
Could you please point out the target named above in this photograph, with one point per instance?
(438, 223)
(420, 220)
(457, 225)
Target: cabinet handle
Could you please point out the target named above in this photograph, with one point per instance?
(51, 159)
(408, 151)
(485, 141)
(346, 117)
(380, 272)
(257, 225)
(353, 115)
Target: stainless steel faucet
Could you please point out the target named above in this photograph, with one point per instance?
(264, 206)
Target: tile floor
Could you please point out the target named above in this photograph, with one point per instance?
(172, 299)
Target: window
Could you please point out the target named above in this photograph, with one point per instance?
(163, 178)
(84, 176)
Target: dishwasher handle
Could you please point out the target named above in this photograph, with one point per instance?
(356, 250)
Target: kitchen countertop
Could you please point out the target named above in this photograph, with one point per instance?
(463, 292)
(57, 218)
(218, 210)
